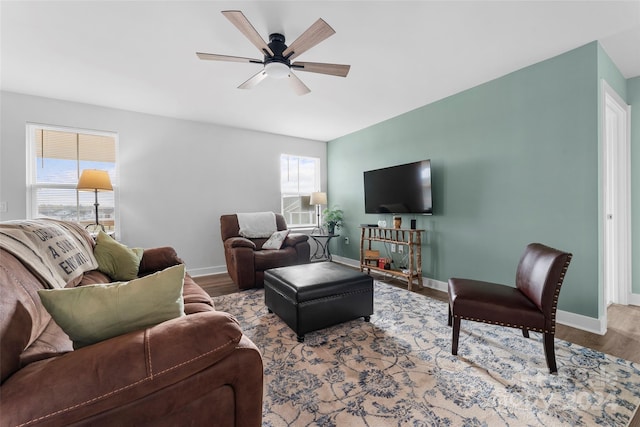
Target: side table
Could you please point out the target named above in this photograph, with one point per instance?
(322, 252)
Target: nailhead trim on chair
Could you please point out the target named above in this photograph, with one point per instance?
(553, 308)
(556, 295)
(502, 324)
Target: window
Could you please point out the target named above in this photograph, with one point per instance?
(299, 177)
(56, 158)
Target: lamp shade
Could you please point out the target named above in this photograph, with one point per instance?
(94, 179)
(318, 198)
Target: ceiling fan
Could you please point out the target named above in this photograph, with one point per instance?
(277, 55)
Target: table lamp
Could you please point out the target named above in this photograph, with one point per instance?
(95, 180)
(318, 198)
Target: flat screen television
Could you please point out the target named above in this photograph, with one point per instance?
(399, 189)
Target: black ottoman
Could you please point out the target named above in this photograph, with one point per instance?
(313, 296)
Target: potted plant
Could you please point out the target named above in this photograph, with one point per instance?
(333, 219)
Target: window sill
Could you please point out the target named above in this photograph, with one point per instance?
(302, 229)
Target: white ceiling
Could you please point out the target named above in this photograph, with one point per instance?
(140, 55)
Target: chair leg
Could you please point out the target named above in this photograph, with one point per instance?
(550, 352)
(456, 335)
(449, 319)
(525, 332)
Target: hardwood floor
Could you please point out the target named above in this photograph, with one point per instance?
(217, 284)
(621, 340)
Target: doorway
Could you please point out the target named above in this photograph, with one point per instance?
(616, 199)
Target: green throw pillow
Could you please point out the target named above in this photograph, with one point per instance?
(115, 259)
(93, 313)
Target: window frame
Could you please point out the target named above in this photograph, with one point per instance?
(317, 184)
(31, 179)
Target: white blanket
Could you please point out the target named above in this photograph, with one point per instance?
(257, 224)
(56, 251)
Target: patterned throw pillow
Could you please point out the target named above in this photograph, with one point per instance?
(276, 240)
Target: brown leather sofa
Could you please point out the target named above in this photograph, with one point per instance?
(247, 262)
(198, 369)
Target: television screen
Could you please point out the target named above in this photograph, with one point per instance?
(399, 189)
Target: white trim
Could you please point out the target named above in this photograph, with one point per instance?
(617, 201)
(346, 261)
(207, 271)
(435, 284)
(578, 321)
(634, 299)
(31, 174)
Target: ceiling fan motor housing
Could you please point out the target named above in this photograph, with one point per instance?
(277, 66)
(277, 46)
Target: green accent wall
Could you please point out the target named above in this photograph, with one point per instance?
(514, 161)
(607, 70)
(633, 98)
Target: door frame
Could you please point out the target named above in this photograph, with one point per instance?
(616, 200)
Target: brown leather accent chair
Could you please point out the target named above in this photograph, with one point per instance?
(247, 262)
(531, 305)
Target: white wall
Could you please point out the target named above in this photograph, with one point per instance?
(176, 177)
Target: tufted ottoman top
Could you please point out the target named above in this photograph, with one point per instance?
(307, 282)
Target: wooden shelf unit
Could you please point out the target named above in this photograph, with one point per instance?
(398, 236)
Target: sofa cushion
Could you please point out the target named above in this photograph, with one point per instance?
(157, 259)
(115, 259)
(22, 319)
(196, 299)
(121, 376)
(93, 313)
(265, 260)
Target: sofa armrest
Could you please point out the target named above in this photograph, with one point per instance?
(239, 242)
(295, 238)
(125, 370)
(157, 259)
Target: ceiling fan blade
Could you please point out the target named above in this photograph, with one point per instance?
(253, 81)
(319, 67)
(316, 33)
(215, 57)
(241, 22)
(299, 87)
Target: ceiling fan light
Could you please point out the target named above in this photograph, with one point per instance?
(277, 70)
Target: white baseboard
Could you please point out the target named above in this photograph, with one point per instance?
(634, 299)
(578, 321)
(590, 324)
(585, 323)
(346, 261)
(195, 272)
(435, 284)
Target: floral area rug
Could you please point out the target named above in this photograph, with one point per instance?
(398, 370)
